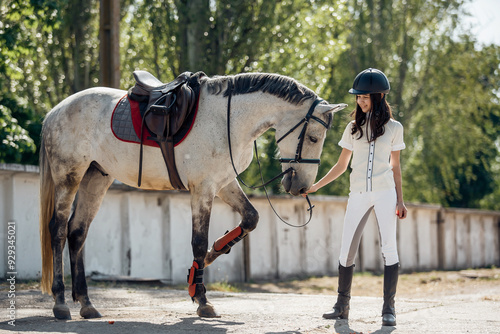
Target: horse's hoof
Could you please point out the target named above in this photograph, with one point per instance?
(61, 312)
(89, 312)
(207, 311)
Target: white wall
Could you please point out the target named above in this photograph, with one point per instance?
(19, 204)
(148, 235)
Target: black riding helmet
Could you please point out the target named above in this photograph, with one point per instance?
(370, 81)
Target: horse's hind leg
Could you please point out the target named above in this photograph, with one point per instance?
(90, 195)
(234, 196)
(65, 191)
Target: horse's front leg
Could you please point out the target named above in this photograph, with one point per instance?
(234, 196)
(201, 207)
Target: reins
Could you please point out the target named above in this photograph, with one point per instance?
(297, 159)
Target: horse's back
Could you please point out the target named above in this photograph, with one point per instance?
(91, 100)
(74, 126)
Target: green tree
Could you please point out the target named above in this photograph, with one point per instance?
(304, 42)
(455, 132)
(235, 37)
(48, 51)
(444, 85)
(444, 91)
(18, 21)
(15, 143)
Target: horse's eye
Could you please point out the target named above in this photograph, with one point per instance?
(313, 139)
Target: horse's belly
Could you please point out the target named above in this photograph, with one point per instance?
(122, 163)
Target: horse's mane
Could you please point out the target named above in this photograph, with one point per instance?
(278, 85)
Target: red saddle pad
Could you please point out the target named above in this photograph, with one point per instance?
(126, 123)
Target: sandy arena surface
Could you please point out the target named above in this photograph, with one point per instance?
(435, 302)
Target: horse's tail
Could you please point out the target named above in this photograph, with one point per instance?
(47, 202)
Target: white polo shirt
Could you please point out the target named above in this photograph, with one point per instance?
(371, 170)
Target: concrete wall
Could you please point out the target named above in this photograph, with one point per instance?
(147, 234)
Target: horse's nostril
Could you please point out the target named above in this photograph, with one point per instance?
(287, 184)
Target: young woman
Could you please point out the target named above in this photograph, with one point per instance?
(374, 140)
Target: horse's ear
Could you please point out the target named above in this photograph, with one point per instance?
(323, 108)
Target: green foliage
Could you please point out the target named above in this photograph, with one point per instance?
(15, 143)
(455, 133)
(48, 51)
(445, 87)
(269, 165)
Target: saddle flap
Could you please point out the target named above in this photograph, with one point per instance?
(184, 104)
(159, 116)
(156, 122)
(172, 110)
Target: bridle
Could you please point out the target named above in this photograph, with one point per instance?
(298, 153)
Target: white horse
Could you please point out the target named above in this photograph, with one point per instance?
(79, 153)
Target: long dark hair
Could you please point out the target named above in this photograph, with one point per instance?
(380, 114)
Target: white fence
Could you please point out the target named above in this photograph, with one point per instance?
(147, 234)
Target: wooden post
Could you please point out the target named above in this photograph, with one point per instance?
(441, 242)
(109, 52)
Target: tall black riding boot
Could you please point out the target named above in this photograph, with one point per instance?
(341, 308)
(390, 282)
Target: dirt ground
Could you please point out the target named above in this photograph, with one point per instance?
(431, 302)
(415, 285)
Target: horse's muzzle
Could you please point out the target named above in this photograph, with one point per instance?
(293, 185)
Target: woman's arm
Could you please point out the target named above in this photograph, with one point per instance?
(338, 169)
(401, 210)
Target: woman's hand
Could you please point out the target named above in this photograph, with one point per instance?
(337, 170)
(313, 189)
(401, 210)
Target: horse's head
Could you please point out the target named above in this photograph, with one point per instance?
(300, 138)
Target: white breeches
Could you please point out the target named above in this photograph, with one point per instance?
(359, 206)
